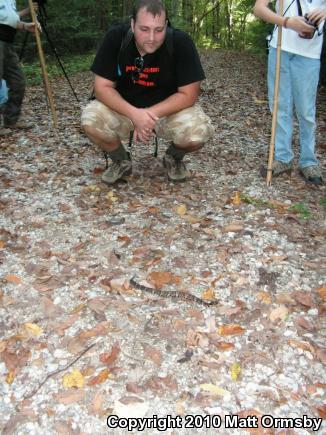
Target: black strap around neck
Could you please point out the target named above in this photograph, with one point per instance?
(299, 8)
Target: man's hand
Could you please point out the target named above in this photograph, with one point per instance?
(300, 25)
(144, 122)
(317, 15)
(26, 11)
(30, 27)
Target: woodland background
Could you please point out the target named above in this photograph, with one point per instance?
(75, 28)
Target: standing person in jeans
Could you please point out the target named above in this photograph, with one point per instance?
(302, 39)
(149, 87)
(10, 69)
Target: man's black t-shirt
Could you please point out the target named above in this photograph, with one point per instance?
(161, 74)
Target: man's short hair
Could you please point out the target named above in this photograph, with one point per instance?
(154, 7)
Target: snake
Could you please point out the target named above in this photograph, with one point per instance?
(175, 295)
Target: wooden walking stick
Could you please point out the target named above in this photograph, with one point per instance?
(43, 65)
(275, 101)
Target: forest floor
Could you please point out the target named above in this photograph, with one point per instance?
(78, 343)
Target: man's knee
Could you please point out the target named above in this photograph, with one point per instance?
(191, 127)
(99, 137)
(190, 147)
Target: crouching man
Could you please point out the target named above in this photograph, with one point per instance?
(147, 80)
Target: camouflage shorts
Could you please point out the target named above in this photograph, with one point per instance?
(188, 125)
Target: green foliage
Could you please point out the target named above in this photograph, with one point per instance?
(301, 209)
(71, 65)
(323, 202)
(254, 201)
(78, 26)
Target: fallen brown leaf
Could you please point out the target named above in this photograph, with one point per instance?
(232, 228)
(132, 387)
(97, 402)
(70, 396)
(14, 360)
(322, 292)
(322, 411)
(159, 278)
(154, 354)
(223, 345)
(196, 339)
(231, 330)
(14, 279)
(100, 378)
(303, 323)
(304, 298)
(302, 345)
(49, 308)
(109, 358)
(321, 355)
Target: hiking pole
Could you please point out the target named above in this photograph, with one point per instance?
(275, 101)
(43, 65)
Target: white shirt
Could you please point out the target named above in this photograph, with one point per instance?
(291, 41)
(8, 13)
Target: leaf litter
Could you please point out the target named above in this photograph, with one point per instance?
(78, 342)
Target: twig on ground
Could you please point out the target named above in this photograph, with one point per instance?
(55, 372)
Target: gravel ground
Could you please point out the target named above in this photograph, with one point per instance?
(78, 343)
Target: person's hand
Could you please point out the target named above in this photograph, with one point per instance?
(144, 124)
(300, 25)
(30, 27)
(317, 15)
(26, 11)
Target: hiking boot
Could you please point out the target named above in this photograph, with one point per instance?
(5, 131)
(20, 125)
(176, 169)
(281, 168)
(312, 174)
(116, 170)
(278, 168)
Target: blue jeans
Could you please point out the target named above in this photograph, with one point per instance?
(11, 71)
(3, 92)
(298, 88)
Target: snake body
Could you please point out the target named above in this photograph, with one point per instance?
(184, 296)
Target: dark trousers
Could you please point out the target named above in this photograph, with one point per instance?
(11, 71)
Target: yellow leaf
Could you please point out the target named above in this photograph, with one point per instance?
(258, 101)
(10, 377)
(2, 244)
(264, 297)
(235, 371)
(214, 389)
(236, 200)
(208, 294)
(111, 197)
(33, 329)
(93, 188)
(73, 379)
(182, 209)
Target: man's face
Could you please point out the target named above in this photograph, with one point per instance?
(149, 31)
